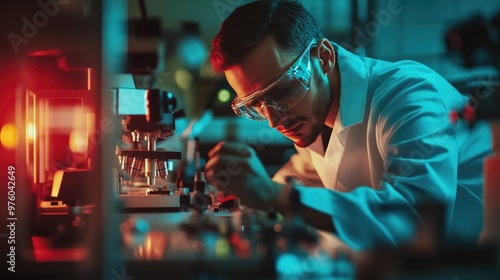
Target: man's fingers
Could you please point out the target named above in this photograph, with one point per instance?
(237, 149)
(232, 164)
(225, 170)
(231, 148)
(215, 150)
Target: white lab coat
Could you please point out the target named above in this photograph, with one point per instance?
(393, 147)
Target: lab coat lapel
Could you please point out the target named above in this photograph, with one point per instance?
(354, 87)
(333, 157)
(327, 162)
(318, 159)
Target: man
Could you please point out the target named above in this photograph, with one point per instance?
(375, 135)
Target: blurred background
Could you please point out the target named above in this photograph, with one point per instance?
(165, 44)
(419, 30)
(69, 70)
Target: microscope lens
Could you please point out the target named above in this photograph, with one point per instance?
(162, 169)
(137, 164)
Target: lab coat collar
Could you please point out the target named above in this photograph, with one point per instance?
(353, 87)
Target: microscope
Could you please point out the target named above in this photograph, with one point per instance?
(148, 116)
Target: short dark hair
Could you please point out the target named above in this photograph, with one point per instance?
(290, 24)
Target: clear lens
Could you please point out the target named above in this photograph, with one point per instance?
(281, 95)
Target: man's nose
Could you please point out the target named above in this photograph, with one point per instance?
(274, 116)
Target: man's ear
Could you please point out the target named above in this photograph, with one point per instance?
(326, 55)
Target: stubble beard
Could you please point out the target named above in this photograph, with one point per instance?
(321, 106)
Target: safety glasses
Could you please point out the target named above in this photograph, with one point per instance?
(282, 94)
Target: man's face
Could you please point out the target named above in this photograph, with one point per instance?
(303, 119)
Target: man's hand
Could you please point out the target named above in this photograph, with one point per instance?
(236, 169)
